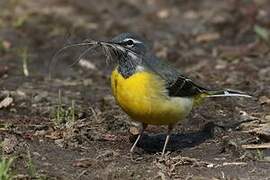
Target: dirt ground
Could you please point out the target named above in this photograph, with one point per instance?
(69, 126)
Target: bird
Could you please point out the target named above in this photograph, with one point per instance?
(150, 90)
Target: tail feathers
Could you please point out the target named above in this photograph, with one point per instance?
(227, 92)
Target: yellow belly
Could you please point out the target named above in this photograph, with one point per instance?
(143, 97)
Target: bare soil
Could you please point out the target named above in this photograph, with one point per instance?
(219, 44)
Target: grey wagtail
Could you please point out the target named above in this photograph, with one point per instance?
(151, 91)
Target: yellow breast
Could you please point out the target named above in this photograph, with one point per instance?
(144, 98)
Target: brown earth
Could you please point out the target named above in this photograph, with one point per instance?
(217, 43)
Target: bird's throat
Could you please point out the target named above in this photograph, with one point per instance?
(126, 67)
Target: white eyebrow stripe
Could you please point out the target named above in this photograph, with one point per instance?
(134, 40)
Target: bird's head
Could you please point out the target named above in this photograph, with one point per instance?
(130, 42)
(129, 51)
(127, 45)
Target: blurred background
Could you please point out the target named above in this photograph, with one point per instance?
(68, 127)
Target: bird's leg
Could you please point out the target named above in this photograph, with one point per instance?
(139, 136)
(170, 128)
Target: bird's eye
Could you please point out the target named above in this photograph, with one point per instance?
(129, 42)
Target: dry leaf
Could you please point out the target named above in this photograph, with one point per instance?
(87, 64)
(237, 51)
(85, 162)
(207, 37)
(264, 100)
(6, 102)
(163, 14)
(9, 144)
(109, 137)
(134, 131)
(256, 146)
(267, 117)
(54, 135)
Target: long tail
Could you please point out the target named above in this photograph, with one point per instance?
(227, 92)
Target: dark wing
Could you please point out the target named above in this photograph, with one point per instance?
(176, 84)
(184, 87)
